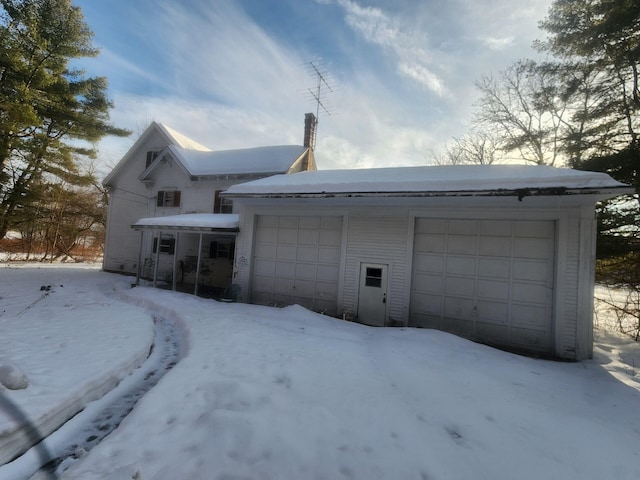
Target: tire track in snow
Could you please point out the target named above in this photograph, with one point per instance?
(101, 417)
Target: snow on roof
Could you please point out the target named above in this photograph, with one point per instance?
(181, 140)
(272, 159)
(426, 179)
(216, 221)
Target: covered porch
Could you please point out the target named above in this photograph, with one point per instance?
(192, 253)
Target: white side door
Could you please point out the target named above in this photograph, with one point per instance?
(372, 296)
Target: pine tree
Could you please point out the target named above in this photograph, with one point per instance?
(51, 115)
(603, 36)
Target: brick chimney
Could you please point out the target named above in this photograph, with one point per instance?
(310, 123)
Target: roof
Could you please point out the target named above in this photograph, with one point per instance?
(171, 137)
(181, 140)
(272, 159)
(430, 181)
(191, 221)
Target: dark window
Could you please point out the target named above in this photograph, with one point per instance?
(167, 245)
(151, 156)
(221, 249)
(169, 198)
(221, 205)
(374, 277)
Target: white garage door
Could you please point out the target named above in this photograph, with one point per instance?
(296, 261)
(487, 280)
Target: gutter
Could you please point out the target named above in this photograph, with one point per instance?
(520, 193)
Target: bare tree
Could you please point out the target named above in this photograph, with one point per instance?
(526, 110)
(475, 148)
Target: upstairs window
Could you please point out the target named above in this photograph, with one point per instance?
(168, 198)
(221, 205)
(151, 156)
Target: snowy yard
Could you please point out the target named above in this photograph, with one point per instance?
(266, 393)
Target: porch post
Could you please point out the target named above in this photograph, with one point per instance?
(175, 260)
(139, 267)
(155, 267)
(195, 290)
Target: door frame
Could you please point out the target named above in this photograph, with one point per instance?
(384, 285)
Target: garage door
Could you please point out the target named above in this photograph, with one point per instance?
(297, 261)
(487, 280)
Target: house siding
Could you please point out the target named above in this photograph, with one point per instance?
(571, 274)
(382, 239)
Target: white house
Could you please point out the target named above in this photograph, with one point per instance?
(165, 184)
(504, 255)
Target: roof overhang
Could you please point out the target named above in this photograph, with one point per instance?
(192, 222)
(521, 193)
(518, 181)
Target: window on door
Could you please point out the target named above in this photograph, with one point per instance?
(373, 277)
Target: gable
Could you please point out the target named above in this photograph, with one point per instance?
(155, 138)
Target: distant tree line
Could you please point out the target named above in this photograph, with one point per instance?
(51, 117)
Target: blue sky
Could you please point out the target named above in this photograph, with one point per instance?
(234, 73)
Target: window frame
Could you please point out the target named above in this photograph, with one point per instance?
(168, 198)
(151, 157)
(167, 245)
(222, 249)
(221, 204)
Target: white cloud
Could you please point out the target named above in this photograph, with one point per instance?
(398, 38)
(497, 43)
(423, 75)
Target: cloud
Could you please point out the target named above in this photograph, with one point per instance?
(497, 43)
(396, 37)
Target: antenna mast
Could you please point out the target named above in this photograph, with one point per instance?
(316, 69)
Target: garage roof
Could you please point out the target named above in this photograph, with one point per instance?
(432, 181)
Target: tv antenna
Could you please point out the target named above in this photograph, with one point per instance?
(322, 87)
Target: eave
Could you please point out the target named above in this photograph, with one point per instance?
(520, 193)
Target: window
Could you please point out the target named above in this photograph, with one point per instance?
(373, 278)
(167, 245)
(221, 249)
(221, 205)
(168, 199)
(151, 156)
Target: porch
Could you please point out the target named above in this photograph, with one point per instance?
(191, 253)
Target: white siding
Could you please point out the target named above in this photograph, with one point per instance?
(377, 239)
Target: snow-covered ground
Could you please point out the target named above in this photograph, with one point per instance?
(266, 393)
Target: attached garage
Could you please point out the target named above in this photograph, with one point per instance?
(489, 280)
(297, 260)
(501, 254)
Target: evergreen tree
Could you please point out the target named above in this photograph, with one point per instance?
(603, 37)
(51, 115)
